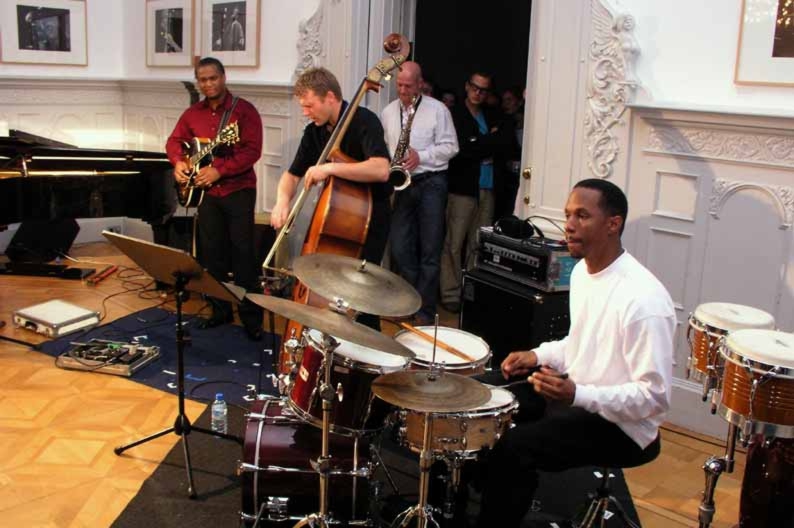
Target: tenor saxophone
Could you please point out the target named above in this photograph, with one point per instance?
(399, 176)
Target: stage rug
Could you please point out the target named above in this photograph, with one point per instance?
(220, 359)
(163, 500)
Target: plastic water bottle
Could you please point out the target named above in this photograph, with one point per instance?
(219, 421)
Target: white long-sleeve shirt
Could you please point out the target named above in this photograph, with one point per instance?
(619, 350)
(433, 134)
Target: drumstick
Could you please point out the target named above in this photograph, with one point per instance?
(563, 375)
(440, 344)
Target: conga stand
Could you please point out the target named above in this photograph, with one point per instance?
(422, 511)
(713, 468)
(175, 267)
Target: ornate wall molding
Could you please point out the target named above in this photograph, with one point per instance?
(728, 145)
(611, 83)
(782, 196)
(310, 42)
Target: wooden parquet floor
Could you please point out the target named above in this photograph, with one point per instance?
(58, 427)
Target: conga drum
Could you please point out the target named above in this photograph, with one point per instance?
(709, 323)
(757, 391)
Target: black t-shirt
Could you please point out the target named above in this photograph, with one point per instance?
(363, 140)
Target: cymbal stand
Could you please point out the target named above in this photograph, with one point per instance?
(713, 468)
(422, 511)
(323, 464)
(182, 426)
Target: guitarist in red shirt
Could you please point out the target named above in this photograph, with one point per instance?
(226, 184)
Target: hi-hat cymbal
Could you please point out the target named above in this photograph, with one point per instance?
(331, 323)
(365, 286)
(416, 391)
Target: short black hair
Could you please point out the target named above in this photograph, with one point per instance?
(211, 61)
(613, 201)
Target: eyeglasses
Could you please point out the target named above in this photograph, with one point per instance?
(478, 89)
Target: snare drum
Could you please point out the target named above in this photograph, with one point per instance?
(469, 344)
(707, 325)
(758, 382)
(276, 469)
(355, 366)
(462, 433)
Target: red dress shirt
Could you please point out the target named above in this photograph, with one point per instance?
(235, 163)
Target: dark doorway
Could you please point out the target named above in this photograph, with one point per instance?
(456, 37)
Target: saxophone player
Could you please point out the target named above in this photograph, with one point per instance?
(429, 142)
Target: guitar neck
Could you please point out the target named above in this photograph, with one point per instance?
(201, 154)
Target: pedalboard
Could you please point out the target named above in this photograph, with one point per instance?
(108, 357)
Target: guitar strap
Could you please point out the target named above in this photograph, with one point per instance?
(228, 113)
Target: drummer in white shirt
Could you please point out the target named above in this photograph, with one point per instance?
(598, 396)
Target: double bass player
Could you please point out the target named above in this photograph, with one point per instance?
(320, 97)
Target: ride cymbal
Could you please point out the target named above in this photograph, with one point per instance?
(365, 286)
(417, 391)
(331, 323)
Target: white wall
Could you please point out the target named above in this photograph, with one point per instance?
(117, 48)
(689, 52)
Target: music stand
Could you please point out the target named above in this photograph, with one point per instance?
(178, 268)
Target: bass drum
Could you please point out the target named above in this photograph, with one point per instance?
(276, 469)
(767, 497)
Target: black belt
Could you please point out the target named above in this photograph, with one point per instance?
(423, 175)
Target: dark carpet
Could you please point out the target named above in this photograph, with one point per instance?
(163, 500)
(220, 359)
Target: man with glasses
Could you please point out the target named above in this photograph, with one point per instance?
(483, 136)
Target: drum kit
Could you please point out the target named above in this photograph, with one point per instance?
(343, 384)
(747, 368)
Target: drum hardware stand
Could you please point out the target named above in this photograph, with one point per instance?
(713, 468)
(323, 463)
(454, 464)
(422, 511)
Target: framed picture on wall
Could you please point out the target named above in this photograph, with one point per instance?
(169, 32)
(765, 53)
(230, 31)
(43, 32)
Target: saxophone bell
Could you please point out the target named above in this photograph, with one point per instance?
(399, 177)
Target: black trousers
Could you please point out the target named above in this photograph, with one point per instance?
(548, 436)
(226, 238)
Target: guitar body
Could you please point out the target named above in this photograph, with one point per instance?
(188, 194)
(198, 154)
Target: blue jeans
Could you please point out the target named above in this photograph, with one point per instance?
(417, 235)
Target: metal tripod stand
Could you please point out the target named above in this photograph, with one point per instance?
(176, 267)
(423, 512)
(603, 501)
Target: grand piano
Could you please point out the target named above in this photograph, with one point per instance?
(43, 179)
(45, 182)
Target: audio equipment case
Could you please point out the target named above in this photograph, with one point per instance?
(511, 316)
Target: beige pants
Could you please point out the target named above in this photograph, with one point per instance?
(465, 216)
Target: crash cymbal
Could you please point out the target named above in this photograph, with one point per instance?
(331, 323)
(365, 286)
(416, 391)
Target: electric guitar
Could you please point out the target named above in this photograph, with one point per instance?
(188, 194)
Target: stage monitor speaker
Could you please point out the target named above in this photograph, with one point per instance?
(41, 241)
(511, 316)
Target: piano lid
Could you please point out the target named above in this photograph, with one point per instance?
(45, 179)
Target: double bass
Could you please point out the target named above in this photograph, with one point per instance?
(341, 219)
